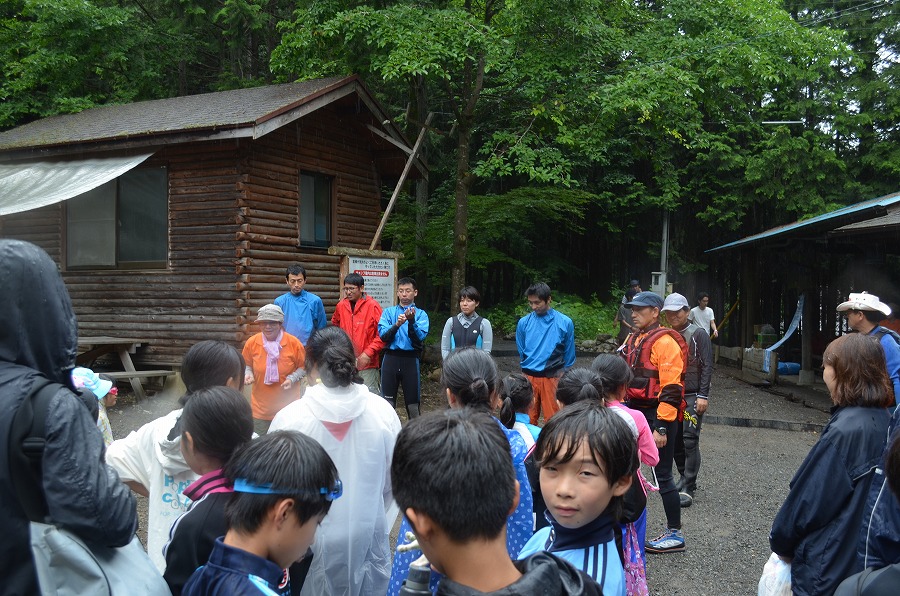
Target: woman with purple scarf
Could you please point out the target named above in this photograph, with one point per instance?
(274, 367)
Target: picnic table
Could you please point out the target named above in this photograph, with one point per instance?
(91, 348)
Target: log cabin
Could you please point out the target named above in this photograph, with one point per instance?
(173, 220)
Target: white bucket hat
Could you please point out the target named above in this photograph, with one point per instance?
(865, 301)
(270, 312)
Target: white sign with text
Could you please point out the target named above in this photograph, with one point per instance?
(379, 274)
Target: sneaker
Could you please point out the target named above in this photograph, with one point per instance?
(687, 499)
(669, 542)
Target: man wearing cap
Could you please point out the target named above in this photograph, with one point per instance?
(658, 357)
(864, 311)
(274, 367)
(545, 339)
(697, 378)
(623, 315)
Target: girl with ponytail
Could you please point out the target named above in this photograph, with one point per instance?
(357, 429)
(516, 395)
(470, 379)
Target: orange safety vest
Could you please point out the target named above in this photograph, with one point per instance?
(644, 389)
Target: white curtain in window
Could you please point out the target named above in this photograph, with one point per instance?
(26, 186)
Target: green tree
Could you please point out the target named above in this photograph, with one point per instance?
(64, 56)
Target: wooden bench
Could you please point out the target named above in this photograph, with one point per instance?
(138, 375)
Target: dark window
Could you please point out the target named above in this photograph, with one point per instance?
(122, 224)
(315, 209)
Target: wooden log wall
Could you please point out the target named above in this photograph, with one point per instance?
(38, 226)
(196, 296)
(233, 230)
(325, 143)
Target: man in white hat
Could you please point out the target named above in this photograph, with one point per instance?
(864, 311)
(697, 377)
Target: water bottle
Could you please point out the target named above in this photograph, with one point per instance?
(416, 583)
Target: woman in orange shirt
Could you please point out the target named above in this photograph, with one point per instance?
(275, 362)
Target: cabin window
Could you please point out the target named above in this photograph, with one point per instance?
(122, 224)
(315, 209)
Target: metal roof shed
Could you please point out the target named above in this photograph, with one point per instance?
(849, 249)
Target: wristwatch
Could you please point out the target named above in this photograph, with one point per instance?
(661, 430)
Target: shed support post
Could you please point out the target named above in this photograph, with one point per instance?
(409, 163)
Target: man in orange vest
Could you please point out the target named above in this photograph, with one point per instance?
(658, 357)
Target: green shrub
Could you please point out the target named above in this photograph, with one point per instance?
(590, 318)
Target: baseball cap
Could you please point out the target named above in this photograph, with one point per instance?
(675, 302)
(634, 282)
(865, 301)
(85, 377)
(645, 299)
(270, 312)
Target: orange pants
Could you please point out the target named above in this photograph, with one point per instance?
(544, 397)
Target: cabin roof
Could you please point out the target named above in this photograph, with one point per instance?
(239, 113)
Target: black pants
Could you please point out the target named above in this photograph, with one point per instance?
(664, 472)
(687, 448)
(400, 369)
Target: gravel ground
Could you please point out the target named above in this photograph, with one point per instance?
(752, 443)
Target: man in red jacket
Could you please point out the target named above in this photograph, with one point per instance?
(358, 315)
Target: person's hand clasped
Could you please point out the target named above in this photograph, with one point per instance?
(248, 379)
(287, 384)
(363, 361)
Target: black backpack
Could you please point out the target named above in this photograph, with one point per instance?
(881, 331)
(26, 447)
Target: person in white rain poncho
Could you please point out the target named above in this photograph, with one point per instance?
(351, 554)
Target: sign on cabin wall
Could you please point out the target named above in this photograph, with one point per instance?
(378, 268)
(380, 274)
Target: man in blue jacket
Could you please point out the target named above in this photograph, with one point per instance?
(303, 310)
(403, 328)
(546, 343)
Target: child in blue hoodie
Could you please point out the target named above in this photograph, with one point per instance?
(587, 457)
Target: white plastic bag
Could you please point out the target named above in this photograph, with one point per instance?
(776, 578)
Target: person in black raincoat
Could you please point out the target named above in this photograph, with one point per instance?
(38, 339)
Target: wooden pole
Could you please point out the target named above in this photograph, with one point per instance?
(409, 163)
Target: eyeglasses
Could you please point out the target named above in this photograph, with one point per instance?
(242, 485)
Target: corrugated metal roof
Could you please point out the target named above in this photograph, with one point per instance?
(864, 211)
(892, 219)
(239, 108)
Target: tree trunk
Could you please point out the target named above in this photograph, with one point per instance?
(422, 194)
(461, 221)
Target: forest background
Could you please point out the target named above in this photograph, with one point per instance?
(562, 132)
